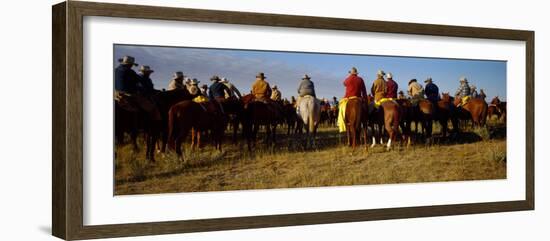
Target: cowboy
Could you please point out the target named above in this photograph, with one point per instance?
(177, 81)
(275, 93)
(194, 89)
(204, 89)
(401, 95)
(146, 84)
(187, 82)
(127, 95)
(334, 101)
(217, 89)
(216, 92)
(293, 101)
(415, 91)
(378, 88)
(192, 86)
(482, 94)
(355, 88)
(463, 91)
(431, 90)
(306, 88)
(260, 88)
(126, 79)
(391, 87)
(232, 90)
(474, 93)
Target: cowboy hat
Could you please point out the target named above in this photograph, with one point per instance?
(187, 81)
(178, 75)
(429, 79)
(353, 70)
(463, 79)
(215, 77)
(145, 69)
(306, 77)
(381, 72)
(194, 81)
(389, 75)
(224, 80)
(260, 75)
(128, 60)
(275, 87)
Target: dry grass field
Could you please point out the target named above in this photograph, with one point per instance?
(474, 155)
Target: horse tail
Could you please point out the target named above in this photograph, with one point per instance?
(311, 114)
(172, 128)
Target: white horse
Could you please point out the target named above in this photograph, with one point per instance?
(309, 110)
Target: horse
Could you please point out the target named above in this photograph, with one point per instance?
(164, 101)
(260, 113)
(353, 117)
(475, 110)
(291, 119)
(497, 108)
(134, 121)
(387, 114)
(309, 110)
(188, 116)
(424, 113)
(446, 111)
(233, 110)
(407, 117)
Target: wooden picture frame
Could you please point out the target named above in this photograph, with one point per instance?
(67, 152)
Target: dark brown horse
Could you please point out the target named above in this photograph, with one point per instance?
(424, 113)
(475, 110)
(188, 116)
(134, 122)
(446, 112)
(261, 113)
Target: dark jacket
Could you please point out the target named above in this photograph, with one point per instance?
(391, 89)
(126, 79)
(306, 88)
(432, 92)
(217, 90)
(146, 84)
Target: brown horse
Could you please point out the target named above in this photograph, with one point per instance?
(260, 113)
(352, 118)
(407, 117)
(387, 114)
(188, 116)
(497, 108)
(474, 110)
(424, 113)
(133, 122)
(446, 111)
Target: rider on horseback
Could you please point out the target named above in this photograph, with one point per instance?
(217, 91)
(378, 89)
(391, 87)
(129, 90)
(276, 94)
(463, 91)
(431, 91)
(233, 91)
(306, 88)
(177, 81)
(415, 91)
(355, 88)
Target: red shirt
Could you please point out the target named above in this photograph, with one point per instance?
(355, 86)
(391, 89)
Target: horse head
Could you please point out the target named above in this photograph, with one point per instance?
(495, 100)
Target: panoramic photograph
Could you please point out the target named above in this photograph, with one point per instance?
(190, 119)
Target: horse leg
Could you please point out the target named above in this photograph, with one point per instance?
(193, 136)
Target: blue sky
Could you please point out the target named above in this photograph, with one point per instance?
(285, 69)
